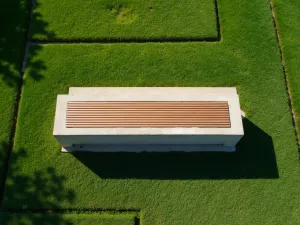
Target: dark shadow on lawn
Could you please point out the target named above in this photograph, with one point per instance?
(33, 219)
(17, 16)
(3, 165)
(254, 158)
(28, 196)
(13, 14)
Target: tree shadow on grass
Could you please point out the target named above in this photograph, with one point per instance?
(33, 219)
(28, 197)
(40, 28)
(12, 38)
(254, 158)
(3, 159)
(15, 17)
(16, 14)
(35, 67)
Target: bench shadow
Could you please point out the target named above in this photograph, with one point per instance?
(254, 159)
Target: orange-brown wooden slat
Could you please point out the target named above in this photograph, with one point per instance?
(146, 125)
(143, 116)
(149, 102)
(147, 114)
(147, 119)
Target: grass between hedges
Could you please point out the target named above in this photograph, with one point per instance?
(287, 15)
(67, 219)
(124, 20)
(256, 185)
(12, 35)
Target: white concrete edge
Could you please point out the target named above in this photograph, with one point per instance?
(60, 114)
(130, 92)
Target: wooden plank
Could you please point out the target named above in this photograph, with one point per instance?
(83, 114)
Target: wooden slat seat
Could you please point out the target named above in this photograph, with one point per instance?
(100, 114)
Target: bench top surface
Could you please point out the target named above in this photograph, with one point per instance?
(148, 111)
(100, 114)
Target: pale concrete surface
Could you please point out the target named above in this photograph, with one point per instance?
(145, 135)
(150, 93)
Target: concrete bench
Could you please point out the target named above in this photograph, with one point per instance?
(148, 119)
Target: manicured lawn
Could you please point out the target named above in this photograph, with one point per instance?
(287, 15)
(124, 20)
(256, 185)
(66, 219)
(12, 36)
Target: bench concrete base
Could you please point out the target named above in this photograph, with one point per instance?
(152, 139)
(149, 148)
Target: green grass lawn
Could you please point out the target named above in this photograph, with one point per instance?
(287, 15)
(12, 36)
(67, 219)
(256, 185)
(124, 20)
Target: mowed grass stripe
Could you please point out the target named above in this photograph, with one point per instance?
(116, 20)
(287, 16)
